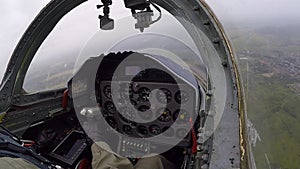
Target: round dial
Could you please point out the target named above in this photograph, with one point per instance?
(126, 121)
(181, 116)
(155, 129)
(127, 129)
(112, 122)
(110, 107)
(181, 97)
(164, 95)
(142, 130)
(107, 91)
(144, 94)
(104, 113)
(165, 115)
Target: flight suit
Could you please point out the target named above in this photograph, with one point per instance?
(15, 163)
(103, 159)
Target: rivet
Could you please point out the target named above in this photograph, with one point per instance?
(196, 8)
(216, 41)
(206, 22)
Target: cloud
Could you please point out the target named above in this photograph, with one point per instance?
(15, 17)
(256, 10)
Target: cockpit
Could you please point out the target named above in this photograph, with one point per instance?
(146, 98)
(159, 80)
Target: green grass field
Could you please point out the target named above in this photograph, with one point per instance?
(274, 110)
(273, 106)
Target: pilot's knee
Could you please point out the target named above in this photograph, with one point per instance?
(154, 162)
(15, 163)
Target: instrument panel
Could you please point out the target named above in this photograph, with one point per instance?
(142, 96)
(159, 105)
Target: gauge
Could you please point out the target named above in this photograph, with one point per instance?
(132, 123)
(127, 112)
(107, 91)
(165, 115)
(155, 129)
(142, 130)
(144, 94)
(127, 129)
(143, 113)
(181, 97)
(104, 113)
(181, 116)
(168, 131)
(127, 121)
(164, 95)
(110, 107)
(112, 122)
(143, 108)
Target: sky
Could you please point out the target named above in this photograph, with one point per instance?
(15, 18)
(16, 15)
(256, 10)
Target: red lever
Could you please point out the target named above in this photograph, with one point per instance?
(65, 99)
(194, 138)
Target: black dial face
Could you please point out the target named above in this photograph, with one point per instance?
(144, 94)
(142, 130)
(110, 107)
(128, 113)
(126, 121)
(112, 122)
(182, 116)
(143, 108)
(164, 95)
(155, 129)
(181, 97)
(107, 91)
(165, 115)
(105, 113)
(144, 112)
(127, 129)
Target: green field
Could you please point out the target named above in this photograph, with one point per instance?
(273, 105)
(274, 110)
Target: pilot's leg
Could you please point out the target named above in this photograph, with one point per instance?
(103, 159)
(155, 162)
(15, 163)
